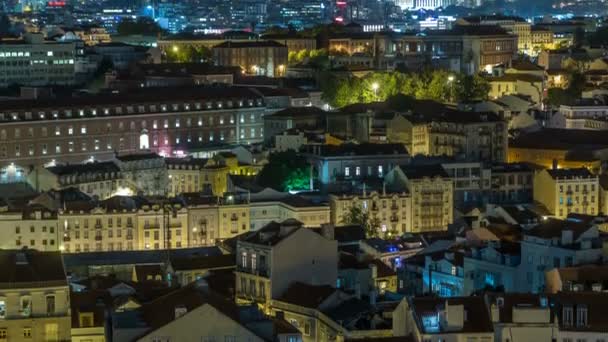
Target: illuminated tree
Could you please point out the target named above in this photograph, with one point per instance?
(357, 216)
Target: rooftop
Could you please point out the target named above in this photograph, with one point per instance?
(30, 268)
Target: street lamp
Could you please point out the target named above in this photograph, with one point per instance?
(175, 48)
(375, 87)
(450, 81)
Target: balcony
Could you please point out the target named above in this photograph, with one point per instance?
(129, 237)
(394, 218)
(66, 239)
(262, 272)
(98, 238)
(129, 224)
(177, 224)
(98, 226)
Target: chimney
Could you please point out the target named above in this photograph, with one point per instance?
(495, 312)
(180, 310)
(328, 230)
(374, 269)
(566, 237)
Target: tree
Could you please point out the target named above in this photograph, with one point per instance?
(143, 26)
(558, 96)
(467, 88)
(285, 171)
(357, 216)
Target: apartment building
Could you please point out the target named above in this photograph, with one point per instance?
(449, 319)
(494, 264)
(580, 316)
(565, 191)
(109, 225)
(474, 136)
(338, 166)
(311, 214)
(98, 126)
(393, 209)
(196, 175)
(35, 300)
(162, 224)
(259, 58)
(271, 259)
(30, 226)
(431, 194)
(553, 244)
(521, 316)
(32, 61)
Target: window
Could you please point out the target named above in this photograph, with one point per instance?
(3, 333)
(244, 259)
(50, 304)
(27, 332)
(26, 306)
(581, 315)
(567, 316)
(347, 171)
(2, 308)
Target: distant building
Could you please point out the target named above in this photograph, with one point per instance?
(260, 58)
(583, 278)
(33, 61)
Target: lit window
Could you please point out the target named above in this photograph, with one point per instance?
(347, 171)
(83, 129)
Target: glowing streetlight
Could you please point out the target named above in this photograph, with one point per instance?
(450, 78)
(375, 87)
(175, 48)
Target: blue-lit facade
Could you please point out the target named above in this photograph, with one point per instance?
(490, 268)
(445, 276)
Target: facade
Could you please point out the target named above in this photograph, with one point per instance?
(449, 319)
(32, 226)
(554, 244)
(36, 62)
(337, 166)
(311, 214)
(432, 196)
(392, 209)
(492, 266)
(565, 191)
(111, 225)
(35, 300)
(35, 133)
(272, 258)
(474, 136)
(263, 58)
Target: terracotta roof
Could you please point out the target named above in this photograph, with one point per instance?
(31, 268)
(204, 262)
(309, 296)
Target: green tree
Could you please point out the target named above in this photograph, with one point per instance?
(467, 88)
(285, 171)
(558, 96)
(357, 216)
(143, 26)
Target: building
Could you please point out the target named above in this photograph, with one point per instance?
(432, 196)
(392, 209)
(512, 183)
(177, 316)
(520, 316)
(474, 136)
(110, 225)
(76, 129)
(163, 224)
(273, 258)
(554, 244)
(296, 117)
(565, 191)
(450, 319)
(32, 61)
(30, 226)
(579, 315)
(260, 58)
(493, 265)
(517, 83)
(564, 148)
(294, 42)
(337, 166)
(88, 317)
(310, 213)
(35, 302)
(323, 313)
(583, 278)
